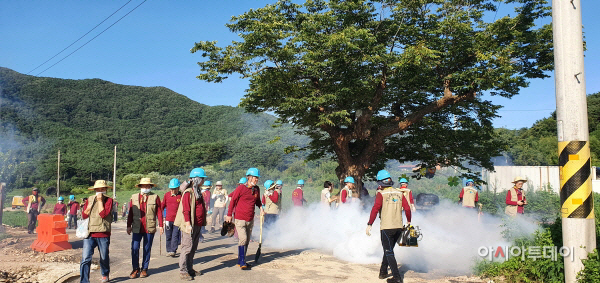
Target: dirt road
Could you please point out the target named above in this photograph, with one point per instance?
(216, 258)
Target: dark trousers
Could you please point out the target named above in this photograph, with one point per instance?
(389, 237)
(270, 219)
(72, 221)
(114, 216)
(32, 220)
(173, 237)
(135, 249)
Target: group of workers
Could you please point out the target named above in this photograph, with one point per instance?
(183, 211)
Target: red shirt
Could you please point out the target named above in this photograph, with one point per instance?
(206, 197)
(274, 197)
(520, 196)
(34, 205)
(171, 203)
(344, 196)
(143, 228)
(60, 208)
(298, 197)
(73, 207)
(200, 210)
(379, 203)
(243, 201)
(103, 214)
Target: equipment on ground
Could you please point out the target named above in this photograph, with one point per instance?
(410, 236)
(262, 220)
(425, 201)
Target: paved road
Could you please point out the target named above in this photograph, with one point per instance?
(216, 258)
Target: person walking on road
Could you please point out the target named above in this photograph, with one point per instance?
(98, 209)
(389, 203)
(73, 209)
(34, 204)
(170, 203)
(243, 200)
(190, 218)
(145, 214)
(271, 201)
(298, 194)
(60, 207)
(220, 196)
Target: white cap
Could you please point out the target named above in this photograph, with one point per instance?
(219, 183)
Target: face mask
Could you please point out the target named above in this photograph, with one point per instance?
(145, 191)
(35, 193)
(99, 193)
(60, 201)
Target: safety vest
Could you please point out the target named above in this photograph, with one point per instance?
(511, 210)
(220, 199)
(348, 194)
(33, 199)
(469, 197)
(151, 209)
(325, 195)
(273, 207)
(98, 224)
(391, 208)
(179, 219)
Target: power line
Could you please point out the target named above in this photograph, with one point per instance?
(80, 37)
(526, 110)
(92, 38)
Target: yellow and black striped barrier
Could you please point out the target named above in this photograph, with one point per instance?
(575, 179)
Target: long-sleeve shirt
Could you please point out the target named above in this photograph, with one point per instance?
(274, 198)
(73, 207)
(379, 203)
(103, 214)
(200, 210)
(171, 203)
(143, 223)
(298, 197)
(520, 196)
(462, 193)
(243, 200)
(60, 208)
(344, 196)
(220, 197)
(34, 205)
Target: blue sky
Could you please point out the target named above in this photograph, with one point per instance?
(150, 47)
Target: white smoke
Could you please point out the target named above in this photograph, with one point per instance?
(451, 236)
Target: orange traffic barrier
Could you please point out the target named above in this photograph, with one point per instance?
(52, 234)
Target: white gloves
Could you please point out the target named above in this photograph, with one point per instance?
(369, 230)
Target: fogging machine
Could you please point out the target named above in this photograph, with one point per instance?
(410, 236)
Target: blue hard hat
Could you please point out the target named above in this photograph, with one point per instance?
(349, 179)
(207, 183)
(382, 175)
(243, 180)
(279, 183)
(403, 180)
(72, 197)
(470, 181)
(268, 183)
(300, 182)
(197, 172)
(61, 198)
(253, 172)
(174, 183)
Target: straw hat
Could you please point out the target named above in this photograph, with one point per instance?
(145, 181)
(519, 179)
(99, 184)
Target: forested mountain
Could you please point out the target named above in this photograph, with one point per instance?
(538, 145)
(154, 128)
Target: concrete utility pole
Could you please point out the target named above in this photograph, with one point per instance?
(577, 204)
(2, 193)
(115, 174)
(58, 177)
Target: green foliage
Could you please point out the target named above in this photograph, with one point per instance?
(591, 271)
(14, 218)
(453, 181)
(370, 81)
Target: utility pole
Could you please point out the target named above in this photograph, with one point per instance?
(115, 174)
(2, 193)
(577, 204)
(58, 177)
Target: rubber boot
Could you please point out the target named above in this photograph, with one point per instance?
(246, 253)
(242, 256)
(239, 263)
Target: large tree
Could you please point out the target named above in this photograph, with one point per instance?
(370, 81)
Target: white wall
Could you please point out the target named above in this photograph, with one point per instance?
(538, 177)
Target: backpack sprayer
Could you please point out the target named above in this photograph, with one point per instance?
(410, 236)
